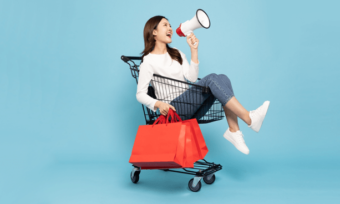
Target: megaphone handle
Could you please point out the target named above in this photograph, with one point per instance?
(188, 33)
(190, 38)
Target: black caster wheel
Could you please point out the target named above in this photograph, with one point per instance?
(135, 177)
(209, 181)
(196, 188)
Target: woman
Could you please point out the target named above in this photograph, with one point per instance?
(159, 58)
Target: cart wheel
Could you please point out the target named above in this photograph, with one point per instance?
(196, 188)
(209, 181)
(135, 177)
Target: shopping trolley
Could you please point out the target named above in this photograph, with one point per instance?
(202, 168)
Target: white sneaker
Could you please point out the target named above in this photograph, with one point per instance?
(236, 138)
(257, 116)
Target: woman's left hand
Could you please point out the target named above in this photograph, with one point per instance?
(191, 39)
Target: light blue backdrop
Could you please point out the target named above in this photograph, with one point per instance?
(69, 114)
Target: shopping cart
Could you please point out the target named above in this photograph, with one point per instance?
(202, 168)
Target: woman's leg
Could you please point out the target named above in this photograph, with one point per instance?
(222, 89)
(231, 119)
(234, 109)
(189, 102)
(221, 85)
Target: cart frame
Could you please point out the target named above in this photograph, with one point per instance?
(202, 168)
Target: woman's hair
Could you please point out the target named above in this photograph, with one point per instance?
(149, 41)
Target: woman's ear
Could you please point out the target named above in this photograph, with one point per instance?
(154, 34)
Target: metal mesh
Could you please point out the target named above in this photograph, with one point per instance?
(190, 100)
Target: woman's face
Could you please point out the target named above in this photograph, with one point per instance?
(163, 32)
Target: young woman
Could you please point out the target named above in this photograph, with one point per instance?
(159, 58)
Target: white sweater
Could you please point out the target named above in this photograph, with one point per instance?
(163, 65)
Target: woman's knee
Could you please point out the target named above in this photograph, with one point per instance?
(224, 77)
(221, 77)
(210, 77)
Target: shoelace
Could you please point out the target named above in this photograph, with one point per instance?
(239, 137)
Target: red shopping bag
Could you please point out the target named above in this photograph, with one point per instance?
(196, 148)
(177, 144)
(199, 139)
(159, 146)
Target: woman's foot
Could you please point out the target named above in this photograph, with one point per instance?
(257, 116)
(236, 138)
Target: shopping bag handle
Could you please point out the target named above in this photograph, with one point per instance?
(162, 119)
(174, 117)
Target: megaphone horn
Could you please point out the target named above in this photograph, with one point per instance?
(200, 20)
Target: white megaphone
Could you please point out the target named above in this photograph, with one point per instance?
(200, 20)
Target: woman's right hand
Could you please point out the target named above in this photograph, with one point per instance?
(164, 107)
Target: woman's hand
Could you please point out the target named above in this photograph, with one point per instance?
(164, 107)
(191, 39)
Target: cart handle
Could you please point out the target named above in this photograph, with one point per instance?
(127, 58)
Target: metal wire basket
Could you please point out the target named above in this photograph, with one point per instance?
(171, 91)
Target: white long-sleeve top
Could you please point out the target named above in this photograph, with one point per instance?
(164, 65)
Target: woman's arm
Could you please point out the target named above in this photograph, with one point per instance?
(194, 55)
(190, 71)
(145, 76)
(193, 44)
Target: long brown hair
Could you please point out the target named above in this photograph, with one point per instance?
(149, 40)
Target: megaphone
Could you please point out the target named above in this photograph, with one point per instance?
(200, 20)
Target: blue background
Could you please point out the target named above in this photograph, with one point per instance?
(69, 114)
